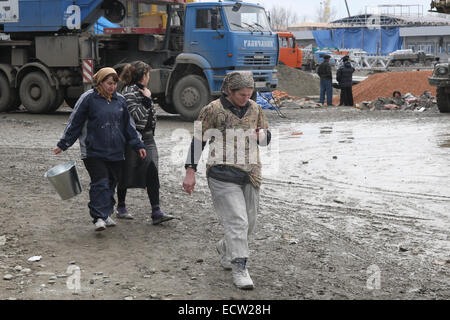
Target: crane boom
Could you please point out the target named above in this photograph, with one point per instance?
(348, 10)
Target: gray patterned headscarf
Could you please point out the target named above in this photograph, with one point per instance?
(238, 80)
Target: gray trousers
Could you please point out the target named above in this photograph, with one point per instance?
(237, 208)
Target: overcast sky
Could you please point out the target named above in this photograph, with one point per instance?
(308, 8)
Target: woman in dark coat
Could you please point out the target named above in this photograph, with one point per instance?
(103, 126)
(344, 76)
(140, 173)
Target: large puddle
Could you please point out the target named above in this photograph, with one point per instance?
(394, 174)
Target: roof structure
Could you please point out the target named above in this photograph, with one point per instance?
(386, 20)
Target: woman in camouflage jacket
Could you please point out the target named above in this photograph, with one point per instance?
(235, 126)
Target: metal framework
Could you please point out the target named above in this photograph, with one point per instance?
(384, 20)
(396, 10)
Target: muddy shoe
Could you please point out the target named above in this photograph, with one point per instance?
(100, 225)
(241, 278)
(110, 222)
(122, 213)
(159, 217)
(225, 262)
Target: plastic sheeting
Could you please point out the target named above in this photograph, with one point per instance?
(381, 41)
(102, 22)
(263, 99)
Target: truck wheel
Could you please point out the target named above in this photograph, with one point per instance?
(36, 93)
(169, 108)
(59, 99)
(7, 95)
(190, 95)
(443, 100)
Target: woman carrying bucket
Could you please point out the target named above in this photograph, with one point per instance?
(101, 122)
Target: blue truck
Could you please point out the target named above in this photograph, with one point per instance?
(49, 51)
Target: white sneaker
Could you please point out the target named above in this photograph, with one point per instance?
(225, 262)
(110, 222)
(100, 225)
(241, 278)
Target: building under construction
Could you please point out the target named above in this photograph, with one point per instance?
(381, 30)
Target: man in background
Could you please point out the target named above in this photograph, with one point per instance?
(326, 81)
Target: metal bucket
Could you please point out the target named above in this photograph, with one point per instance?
(64, 178)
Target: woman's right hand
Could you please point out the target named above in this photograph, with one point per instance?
(57, 150)
(146, 92)
(189, 181)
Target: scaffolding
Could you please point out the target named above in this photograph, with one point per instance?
(411, 10)
(386, 20)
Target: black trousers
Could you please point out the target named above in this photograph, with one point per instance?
(152, 188)
(346, 96)
(104, 177)
(152, 175)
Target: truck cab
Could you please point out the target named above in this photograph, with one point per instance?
(290, 53)
(219, 38)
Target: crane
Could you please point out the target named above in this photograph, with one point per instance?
(348, 10)
(327, 10)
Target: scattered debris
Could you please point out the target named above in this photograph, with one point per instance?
(8, 277)
(442, 263)
(35, 258)
(409, 102)
(2, 240)
(284, 100)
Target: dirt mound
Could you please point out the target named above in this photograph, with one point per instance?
(297, 83)
(384, 84)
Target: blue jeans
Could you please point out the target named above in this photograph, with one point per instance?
(326, 86)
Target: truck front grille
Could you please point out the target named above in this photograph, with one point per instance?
(258, 61)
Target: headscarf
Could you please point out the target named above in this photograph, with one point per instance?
(101, 75)
(237, 80)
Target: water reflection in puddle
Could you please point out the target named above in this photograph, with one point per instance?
(386, 166)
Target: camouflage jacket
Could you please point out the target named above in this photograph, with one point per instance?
(229, 138)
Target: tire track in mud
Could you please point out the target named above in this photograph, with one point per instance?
(338, 184)
(382, 221)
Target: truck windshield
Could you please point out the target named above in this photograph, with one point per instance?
(247, 18)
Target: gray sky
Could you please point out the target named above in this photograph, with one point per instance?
(308, 8)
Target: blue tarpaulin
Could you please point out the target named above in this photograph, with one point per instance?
(384, 40)
(102, 22)
(263, 99)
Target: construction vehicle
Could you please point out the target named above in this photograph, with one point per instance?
(49, 52)
(407, 58)
(290, 54)
(313, 58)
(441, 72)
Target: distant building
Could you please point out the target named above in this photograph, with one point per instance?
(427, 33)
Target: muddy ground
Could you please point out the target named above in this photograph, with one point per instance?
(355, 205)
